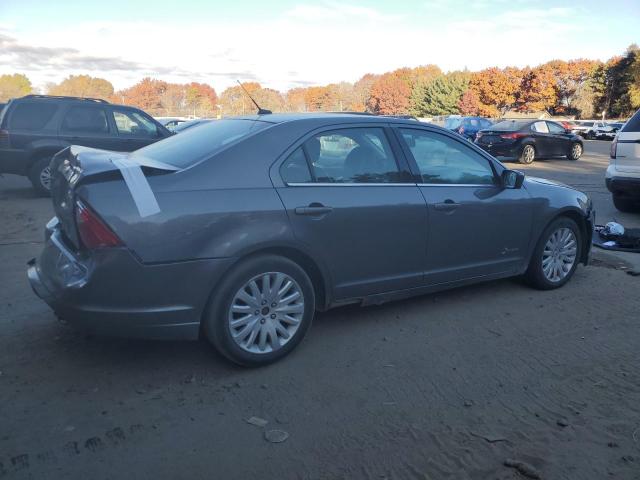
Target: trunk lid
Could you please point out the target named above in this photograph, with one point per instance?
(628, 152)
(76, 166)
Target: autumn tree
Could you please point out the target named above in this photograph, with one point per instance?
(146, 95)
(537, 90)
(469, 103)
(83, 86)
(440, 95)
(319, 99)
(389, 95)
(496, 89)
(362, 91)
(14, 86)
(295, 101)
(201, 99)
(570, 78)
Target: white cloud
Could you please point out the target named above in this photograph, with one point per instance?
(310, 43)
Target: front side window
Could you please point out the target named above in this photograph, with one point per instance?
(540, 127)
(85, 120)
(352, 155)
(555, 128)
(133, 123)
(32, 116)
(442, 160)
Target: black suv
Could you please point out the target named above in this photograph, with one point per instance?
(36, 127)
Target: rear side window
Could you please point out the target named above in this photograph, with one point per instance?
(352, 155)
(85, 120)
(540, 127)
(295, 168)
(32, 116)
(633, 125)
(196, 144)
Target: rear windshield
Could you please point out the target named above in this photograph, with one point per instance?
(32, 116)
(509, 125)
(633, 125)
(195, 144)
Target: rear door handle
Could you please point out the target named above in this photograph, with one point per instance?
(313, 210)
(446, 206)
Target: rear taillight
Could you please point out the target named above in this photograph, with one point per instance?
(92, 230)
(614, 147)
(513, 136)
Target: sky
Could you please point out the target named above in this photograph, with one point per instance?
(297, 43)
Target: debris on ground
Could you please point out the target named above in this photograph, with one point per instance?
(523, 468)
(257, 421)
(276, 436)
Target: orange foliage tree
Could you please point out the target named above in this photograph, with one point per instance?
(389, 95)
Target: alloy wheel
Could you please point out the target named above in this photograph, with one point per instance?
(45, 178)
(528, 154)
(266, 312)
(559, 254)
(576, 151)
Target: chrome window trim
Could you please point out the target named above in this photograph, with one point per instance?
(352, 184)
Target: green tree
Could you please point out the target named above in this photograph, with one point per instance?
(14, 86)
(439, 96)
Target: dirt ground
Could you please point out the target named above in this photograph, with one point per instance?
(495, 381)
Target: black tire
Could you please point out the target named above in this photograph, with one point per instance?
(37, 175)
(626, 204)
(574, 152)
(534, 275)
(216, 319)
(527, 155)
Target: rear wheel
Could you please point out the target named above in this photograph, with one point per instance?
(556, 255)
(40, 176)
(528, 154)
(626, 204)
(576, 151)
(261, 310)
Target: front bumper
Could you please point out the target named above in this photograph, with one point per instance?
(111, 293)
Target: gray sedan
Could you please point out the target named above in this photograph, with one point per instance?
(240, 229)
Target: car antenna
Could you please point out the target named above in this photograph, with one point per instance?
(261, 111)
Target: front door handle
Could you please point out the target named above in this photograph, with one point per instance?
(446, 206)
(313, 210)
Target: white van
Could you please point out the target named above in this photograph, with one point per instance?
(623, 173)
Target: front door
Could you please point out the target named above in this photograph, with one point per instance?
(559, 138)
(476, 228)
(353, 205)
(134, 129)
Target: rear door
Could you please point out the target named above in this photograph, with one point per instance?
(543, 142)
(352, 203)
(135, 129)
(628, 148)
(87, 125)
(559, 139)
(476, 227)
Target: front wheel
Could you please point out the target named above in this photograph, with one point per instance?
(556, 255)
(40, 176)
(261, 310)
(576, 151)
(528, 154)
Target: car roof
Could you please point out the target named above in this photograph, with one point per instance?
(328, 118)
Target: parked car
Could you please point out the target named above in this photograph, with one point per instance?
(591, 128)
(191, 123)
(526, 140)
(242, 228)
(467, 126)
(607, 132)
(34, 128)
(623, 174)
(170, 123)
(580, 127)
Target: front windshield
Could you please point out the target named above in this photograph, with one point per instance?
(195, 144)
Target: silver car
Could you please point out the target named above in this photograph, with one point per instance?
(240, 229)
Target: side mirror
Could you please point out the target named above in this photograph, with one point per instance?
(512, 179)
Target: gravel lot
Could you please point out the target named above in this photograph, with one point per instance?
(494, 381)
